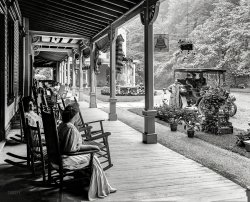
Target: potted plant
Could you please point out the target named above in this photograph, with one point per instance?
(191, 120)
(174, 118)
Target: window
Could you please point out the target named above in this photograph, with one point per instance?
(10, 60)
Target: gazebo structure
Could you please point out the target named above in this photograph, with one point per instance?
(55, 32)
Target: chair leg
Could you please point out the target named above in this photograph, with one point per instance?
(108, 152)
(43, 171)
(49, 173)
(61, 182)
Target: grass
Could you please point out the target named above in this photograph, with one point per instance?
(105, 98)
(226, 141)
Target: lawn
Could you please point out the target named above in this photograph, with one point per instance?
(105, 98)
(226, 141)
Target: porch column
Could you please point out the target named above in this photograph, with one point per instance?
(92, 103)
(80, 76)
(64, 72)
(57, 72)
(60, 73)
(148, 17)
(73, 75)
(86, 78)
(27, 47)
(68, 69)
(112, 75)
(133, 74)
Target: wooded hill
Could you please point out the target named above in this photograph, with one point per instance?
(219, 30)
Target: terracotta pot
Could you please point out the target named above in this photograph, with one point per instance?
(173, 126)
(190, 133)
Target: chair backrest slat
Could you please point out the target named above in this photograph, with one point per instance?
(51, 137)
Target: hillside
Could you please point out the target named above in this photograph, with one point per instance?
(219, 30)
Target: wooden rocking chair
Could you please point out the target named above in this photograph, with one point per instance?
(99, 138)
(55, 158)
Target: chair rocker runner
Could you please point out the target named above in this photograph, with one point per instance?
(55, 158)
(26, 159)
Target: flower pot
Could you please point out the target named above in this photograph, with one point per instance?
(190, 133)
(247, 145)
(173, 126)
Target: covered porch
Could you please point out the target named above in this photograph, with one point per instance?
(140, 173)
(61, 35)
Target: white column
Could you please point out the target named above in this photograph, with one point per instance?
(133, 74)
(112, 83)
(81, 77)
(73, 75)
(60, 73)
(64, 72)
(68, 69)
(149, 135)
(92, 103)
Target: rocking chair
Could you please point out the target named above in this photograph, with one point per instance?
(99, 138)
(55, 158)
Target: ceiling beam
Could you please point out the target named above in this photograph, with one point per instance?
(63, 14)
(66, 45)
(59, 28)
(57, 50)
(118, 3)
(55, 34)
(124, 18)
(94, 9)
(57, 19)
(97, 4)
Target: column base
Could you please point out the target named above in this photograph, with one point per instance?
(149, 138)
(81, 95)
(112, 109)
(92, 103)
(149, 135)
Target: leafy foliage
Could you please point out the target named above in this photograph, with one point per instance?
(219, 30)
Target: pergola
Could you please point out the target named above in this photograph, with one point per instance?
(57, 29)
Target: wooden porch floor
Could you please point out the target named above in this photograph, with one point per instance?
(155, 173)
(140, 173)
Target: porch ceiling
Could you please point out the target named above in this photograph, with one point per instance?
(89, 19)
(84, 17)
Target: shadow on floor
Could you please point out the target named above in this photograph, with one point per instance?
(18, 184)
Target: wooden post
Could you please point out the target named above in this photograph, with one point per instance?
(64, 72)
(60, 73)
(57, 72)
(73, 75)
(133, 75)
(112, 75)
(3, 72)
(147, 18)
(248, 194)
(27, 48)
(68, 69)
(81, 77)
(92, 103)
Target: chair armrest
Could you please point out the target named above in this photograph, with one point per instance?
(95, 121)
(80, 152)
(100, 136)
(88, 128)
